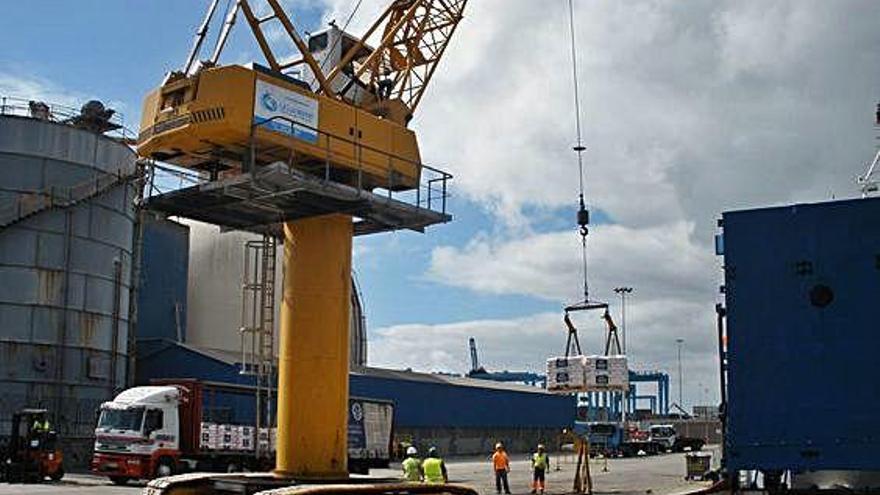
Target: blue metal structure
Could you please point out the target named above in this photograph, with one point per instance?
(163, 280)
(600, 406)
(478, 372)
(424, 400)
(660, 403)
(607, 406)
(801, 292)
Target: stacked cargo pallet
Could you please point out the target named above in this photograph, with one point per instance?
(228, 437)
(587, 373)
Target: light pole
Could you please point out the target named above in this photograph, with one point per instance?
(623, 292)
(680, 375)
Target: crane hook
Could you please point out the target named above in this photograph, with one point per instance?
(583, 217)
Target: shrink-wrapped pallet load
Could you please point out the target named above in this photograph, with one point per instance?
(565, 374)
(606, 373)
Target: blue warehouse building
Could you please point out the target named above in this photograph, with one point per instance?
(459, 415)
(456, 414)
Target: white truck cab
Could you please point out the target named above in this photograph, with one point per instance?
(664, 435)
(137, 435)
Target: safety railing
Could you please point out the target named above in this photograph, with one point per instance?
(431, 192)
(162, 178)
(63, 114)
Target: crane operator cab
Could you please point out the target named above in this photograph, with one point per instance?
(328, 47)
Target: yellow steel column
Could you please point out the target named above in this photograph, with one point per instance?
(313, 352)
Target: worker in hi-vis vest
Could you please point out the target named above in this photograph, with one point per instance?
(412, 466)
(501, 466)
(434, 468)
(40, 425)
(540, 466)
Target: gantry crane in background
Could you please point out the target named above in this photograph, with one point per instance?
(315, 149)
(480, 373)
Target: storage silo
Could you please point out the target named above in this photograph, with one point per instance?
(66, 234)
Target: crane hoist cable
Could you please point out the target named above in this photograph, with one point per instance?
(583, 214)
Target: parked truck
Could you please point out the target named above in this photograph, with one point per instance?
(613, 440)
(159, 430)
(668, 438)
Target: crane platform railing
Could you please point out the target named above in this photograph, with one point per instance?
(432, 190)
(284, 185)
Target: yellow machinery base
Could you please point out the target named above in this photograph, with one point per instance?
(273, 484)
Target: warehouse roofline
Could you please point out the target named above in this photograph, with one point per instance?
(234, 359)
(454, 380)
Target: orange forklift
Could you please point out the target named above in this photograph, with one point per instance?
(31, 454)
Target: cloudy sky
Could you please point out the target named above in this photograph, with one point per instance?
(689, 109)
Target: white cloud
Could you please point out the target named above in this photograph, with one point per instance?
(689, 109)
(27, 87)
(675, 279)
(20, 87)
(663, 261)
(524, 344)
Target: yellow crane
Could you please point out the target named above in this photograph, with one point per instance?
(307, 144)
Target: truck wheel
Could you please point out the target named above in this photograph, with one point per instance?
(119, 480)
(165, 467)
(58, 474)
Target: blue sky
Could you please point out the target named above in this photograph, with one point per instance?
(114, 50)
(699, 108)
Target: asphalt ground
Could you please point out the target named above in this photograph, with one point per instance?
(656, 475)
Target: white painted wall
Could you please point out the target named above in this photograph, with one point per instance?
(214, 294)
(216, 271)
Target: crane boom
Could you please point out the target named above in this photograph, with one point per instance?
(200, 37)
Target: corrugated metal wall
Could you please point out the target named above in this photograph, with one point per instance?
(163, 289)
(802, 285)
(467, 419)
(64, 277)
(424, 404)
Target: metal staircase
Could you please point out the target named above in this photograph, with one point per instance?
(27, 205)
